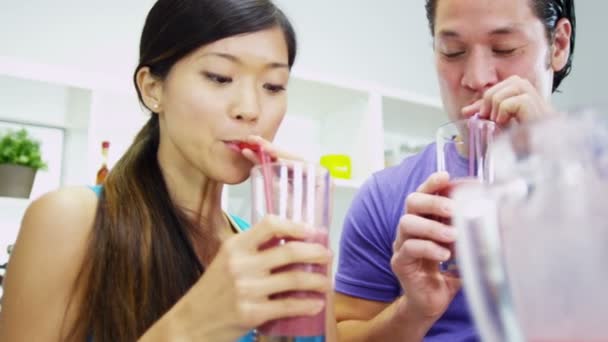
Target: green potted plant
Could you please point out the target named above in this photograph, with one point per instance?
(20, 159)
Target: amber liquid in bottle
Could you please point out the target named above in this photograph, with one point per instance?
(103, 171)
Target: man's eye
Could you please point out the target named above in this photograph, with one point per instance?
(504, 52)
(453, 54)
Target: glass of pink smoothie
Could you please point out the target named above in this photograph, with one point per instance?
(462, 148)
(300, 192)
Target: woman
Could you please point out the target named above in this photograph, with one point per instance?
(152, 256)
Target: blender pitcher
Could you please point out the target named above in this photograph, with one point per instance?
(533, 245)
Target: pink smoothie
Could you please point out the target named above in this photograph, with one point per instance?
(450, 266)
(306, 325)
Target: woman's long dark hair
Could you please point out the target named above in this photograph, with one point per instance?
(140, 259)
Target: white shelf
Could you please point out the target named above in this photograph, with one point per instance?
(13, 202)
(347, 184)
(327, 118)
(404, 96)
(11, 213)
(410, 118)
(387, 118)
(367, 87)
(408, 125)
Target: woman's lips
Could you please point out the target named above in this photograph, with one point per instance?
(233, 145)
(238, 146)
(253, 147)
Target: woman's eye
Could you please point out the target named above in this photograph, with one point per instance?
(216, 78)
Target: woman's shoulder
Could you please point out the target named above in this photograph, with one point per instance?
(63, 209)
(59, 220)
(47, 257)
(58, 223)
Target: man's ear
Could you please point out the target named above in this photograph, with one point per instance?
(560, 49)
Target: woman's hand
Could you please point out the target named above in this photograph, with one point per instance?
(233, 296)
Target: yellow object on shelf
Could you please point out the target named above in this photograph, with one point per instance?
(339, 165)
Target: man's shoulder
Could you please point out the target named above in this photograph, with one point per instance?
(381, 198)
(407, 175)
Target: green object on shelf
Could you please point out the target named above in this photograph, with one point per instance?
(339, 165)
(20, 159)
(18, 148)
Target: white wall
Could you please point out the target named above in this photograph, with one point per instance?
(97, 36)
(384, 40)
(339, 37)
(115, 117)
(27, 101)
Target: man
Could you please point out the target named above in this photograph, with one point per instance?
(501, 59)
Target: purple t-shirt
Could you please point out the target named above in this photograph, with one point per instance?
(370, 228)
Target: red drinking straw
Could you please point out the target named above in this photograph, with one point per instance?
(265, 161)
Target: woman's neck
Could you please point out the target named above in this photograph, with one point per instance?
(192, 191)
